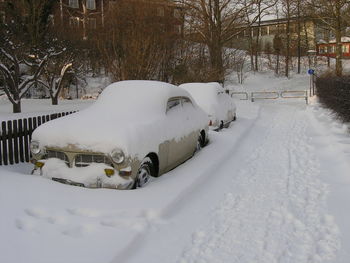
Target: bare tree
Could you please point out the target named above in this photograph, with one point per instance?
(262, 8)
(17, 81)
(239, 63)
(53, 76)
(136, 44)
(289, 11)
(335, 15)
(277, 45)
(29, 19)
(216, 23)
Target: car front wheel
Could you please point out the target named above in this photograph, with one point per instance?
(200, 141)
(144, 173)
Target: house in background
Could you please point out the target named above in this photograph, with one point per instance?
(2, 11)
(328, 48)
(269, 29)
(82, 18)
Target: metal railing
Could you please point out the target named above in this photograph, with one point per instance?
(264, 95)
(240, 93)
(295, 94)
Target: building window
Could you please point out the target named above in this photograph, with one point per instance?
(255, 31)
(177, 13)
(282, 28)
(293, 28)
(178, 29)
(2, 16)
(241, 34)
(74, 22)
(345, 48)
(274, 30)
(92, 23)
(160, 11)
(51, 20)
(322, 49)
(91, 4)
(74, 3)
(263, 31)
(248, 32)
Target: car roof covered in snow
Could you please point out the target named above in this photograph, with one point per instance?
(206, 96)
(138, 96)
(203, 93)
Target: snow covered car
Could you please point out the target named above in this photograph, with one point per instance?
(135, 130)
(212, 98)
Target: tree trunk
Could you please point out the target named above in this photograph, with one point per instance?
(338, 59)
(216, 62)
(54, 100)
(251, 48)
(257, 44)
(17, 107)
(277, 64)
(287, 40)
(299, 38)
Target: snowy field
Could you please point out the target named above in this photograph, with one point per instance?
(274, 187)
(36, 107)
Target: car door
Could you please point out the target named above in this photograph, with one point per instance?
(190, 140)
(178, 150)
(227, 105)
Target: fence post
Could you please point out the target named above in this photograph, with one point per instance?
(15, 141)
(26, 140)
(4, 142)
(20, 139)
(9, 140)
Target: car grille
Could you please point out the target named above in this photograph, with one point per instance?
(83, 160)
(57, 154)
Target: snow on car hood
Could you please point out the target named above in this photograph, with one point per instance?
(206, 96)
(129, 115)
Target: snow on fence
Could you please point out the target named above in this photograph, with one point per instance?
(15, 136)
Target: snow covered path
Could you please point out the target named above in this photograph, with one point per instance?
(265, 203)
(275, 211)
(274, 187)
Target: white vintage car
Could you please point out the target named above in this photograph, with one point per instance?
(135, 130)
(211, 97)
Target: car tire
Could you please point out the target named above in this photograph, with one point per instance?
(144, 173)
(201, 141)
(234, 118)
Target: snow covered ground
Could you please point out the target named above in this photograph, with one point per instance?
(36, 107)
(274, 187)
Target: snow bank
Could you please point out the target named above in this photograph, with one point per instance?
(92, 176)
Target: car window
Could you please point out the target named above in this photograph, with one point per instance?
(186, 101)
(173, 103)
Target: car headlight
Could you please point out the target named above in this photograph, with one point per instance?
(117, 156)
(35, 147)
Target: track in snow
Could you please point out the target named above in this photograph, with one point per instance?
(272, 207)
(276, 209)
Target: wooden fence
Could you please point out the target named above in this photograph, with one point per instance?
(15, 136)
